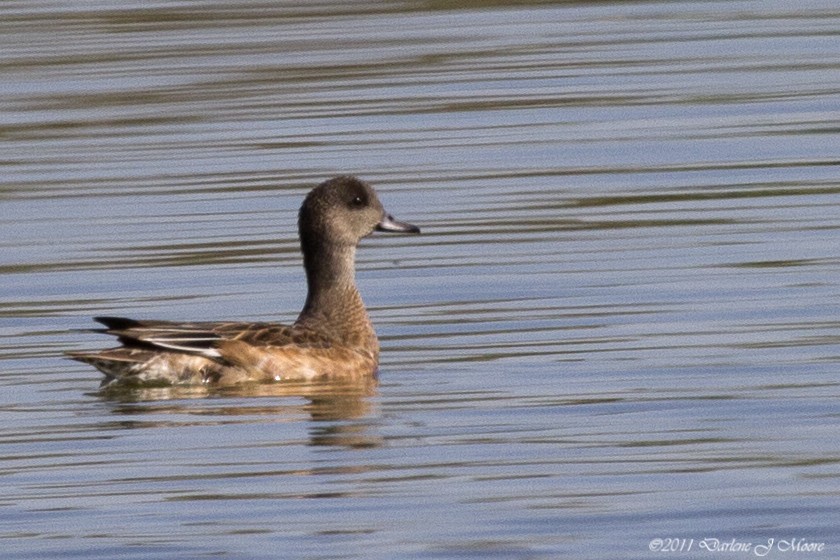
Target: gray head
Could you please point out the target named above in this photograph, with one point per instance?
(341, 211)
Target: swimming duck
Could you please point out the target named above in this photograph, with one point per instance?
(332, 337)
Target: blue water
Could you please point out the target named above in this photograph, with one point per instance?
(619, 325)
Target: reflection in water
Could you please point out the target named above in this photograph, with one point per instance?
(326, 403)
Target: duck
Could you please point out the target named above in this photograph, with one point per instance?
(333, 337)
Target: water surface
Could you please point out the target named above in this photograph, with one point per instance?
(619, 325)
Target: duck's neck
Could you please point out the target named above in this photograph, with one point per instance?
(333, 303)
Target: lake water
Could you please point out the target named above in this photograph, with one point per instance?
(618, 336)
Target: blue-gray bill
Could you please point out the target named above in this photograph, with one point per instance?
(388, 223)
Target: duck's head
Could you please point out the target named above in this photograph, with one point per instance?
(343, 210)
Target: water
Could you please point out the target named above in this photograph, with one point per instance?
(619, 325)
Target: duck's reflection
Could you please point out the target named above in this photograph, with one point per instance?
(325, 404)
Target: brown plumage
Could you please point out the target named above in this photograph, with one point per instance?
(331, 339)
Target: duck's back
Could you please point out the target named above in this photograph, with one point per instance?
(223, 353)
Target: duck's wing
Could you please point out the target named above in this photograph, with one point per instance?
(193, 338)
(204, 338)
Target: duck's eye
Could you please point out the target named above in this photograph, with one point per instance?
(358, 201)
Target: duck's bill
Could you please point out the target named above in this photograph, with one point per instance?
(388, 223)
